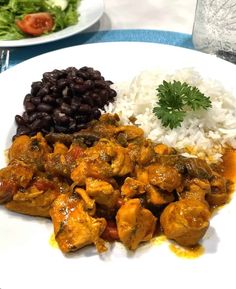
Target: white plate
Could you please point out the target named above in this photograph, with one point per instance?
(26, 258)
(90, 12)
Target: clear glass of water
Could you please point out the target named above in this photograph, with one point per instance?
(214, 29)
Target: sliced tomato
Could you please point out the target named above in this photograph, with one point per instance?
(36, 24)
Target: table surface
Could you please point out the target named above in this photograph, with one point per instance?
(170, 15)
(161, 21)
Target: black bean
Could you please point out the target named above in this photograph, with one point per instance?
(43, 91)
(104, 94)
(29, 106)
(66, 108)
(75, 102)
(83, 74)
(80, 126)
(39, 124)
(49, 76)
(72, 126)
(84, 109)
(96, 75)
(61, 119)
(48, 118)
(48, 99)
(45, 122)
(74, 107)
(32, 132)
(60, 128)
(87, 99)
(27, 98)
(55, 89)
(59, 101)
(94, 95)
(36, 100)
(96, 113)
(36, 115)
(62, 83)
(90, 70)
(35, 87)
(19, 120)
(100, 83)
(98, 101)
(58, 73)
(23, 130)
(33, 117)
(45, 130)
(25, 116)
(79, 80)
(67, 99)
(71, 71)
(56, 115)
(81, 119)
(112, 93)
(36, 125)
(45, 107)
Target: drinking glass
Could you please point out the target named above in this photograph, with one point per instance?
(214, 29)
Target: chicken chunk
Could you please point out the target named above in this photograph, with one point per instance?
(146, 153)
(108, 127)
(195, 189)
(8, 189)
(36, 199)
(121, 163)
(132, 187)
(135, 224)
(30, 150)
(157, 197)
(185, 221)
(61, 162)
(102, 192)
(74, 228)
(94, 168)
(117, 156)
(17, 174)
(131, 132)
(142, 175)
(165, 177)
(162, 149)
(219, 194)
(102, 161)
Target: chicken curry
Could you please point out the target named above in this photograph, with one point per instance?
(109, 183)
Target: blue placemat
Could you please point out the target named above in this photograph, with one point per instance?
(156, 36)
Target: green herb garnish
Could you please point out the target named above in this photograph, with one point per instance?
(174, 99)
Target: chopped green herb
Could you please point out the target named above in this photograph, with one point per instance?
(174, 98)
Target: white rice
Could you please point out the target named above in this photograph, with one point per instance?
(203, 133)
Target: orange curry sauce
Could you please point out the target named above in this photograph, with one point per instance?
(229, 165)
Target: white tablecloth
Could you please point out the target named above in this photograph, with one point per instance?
(170, 15)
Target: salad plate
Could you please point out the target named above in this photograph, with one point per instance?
(29, 257)
(90, 11)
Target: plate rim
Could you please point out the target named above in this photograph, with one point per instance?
(85, 260)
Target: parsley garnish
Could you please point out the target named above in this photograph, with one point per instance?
(174, 98)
